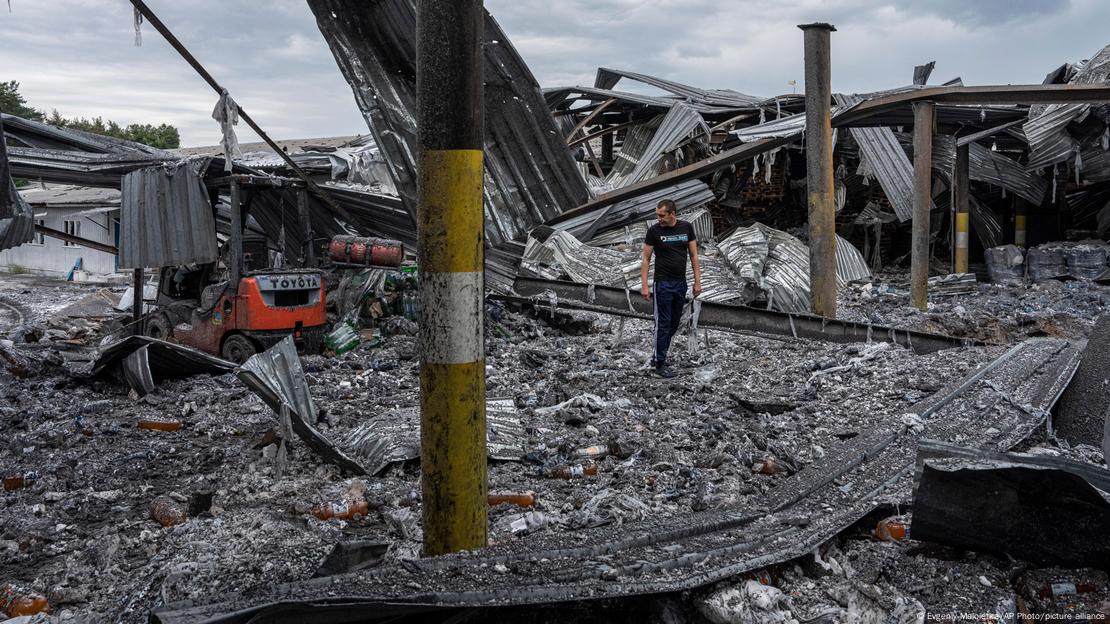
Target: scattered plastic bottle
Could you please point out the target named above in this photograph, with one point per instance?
(576, 471)
(20, 481)
(167, 511)
(520, 499)
(157, 423)
(343, 511)
(599, 451)
(17, 600)
(892, 529)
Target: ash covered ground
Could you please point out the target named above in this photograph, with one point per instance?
(83, 534)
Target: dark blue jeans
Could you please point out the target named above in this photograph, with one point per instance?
(669, 298)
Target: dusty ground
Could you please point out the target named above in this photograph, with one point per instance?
(83, 535)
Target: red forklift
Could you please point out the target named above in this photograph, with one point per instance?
(244, 306)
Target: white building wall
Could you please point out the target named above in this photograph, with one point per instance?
(53, 257)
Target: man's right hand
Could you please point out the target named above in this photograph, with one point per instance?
(646, 292)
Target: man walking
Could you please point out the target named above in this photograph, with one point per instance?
(670, 240)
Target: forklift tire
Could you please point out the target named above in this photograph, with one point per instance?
(158, 326)
(238, 349)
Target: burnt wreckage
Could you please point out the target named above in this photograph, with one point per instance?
(838, 423)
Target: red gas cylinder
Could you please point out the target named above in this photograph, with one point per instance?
(370, 251)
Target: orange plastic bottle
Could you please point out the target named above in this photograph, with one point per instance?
(522, 499)
(578, 471)
(16, 600)
(156, 423)
(892, 529)
(343, 511)
(167, 511)
(20, 481)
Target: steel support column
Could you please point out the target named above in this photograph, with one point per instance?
(922, 203)
(137, 303)
(960, 209)
(819, 170)
(450, 255)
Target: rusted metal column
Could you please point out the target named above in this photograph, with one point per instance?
(452, 288)
(922, 203)
(960, 208)
(137, 302)
(819, 170)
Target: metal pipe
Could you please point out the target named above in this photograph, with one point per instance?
(450, 256)
(76, 240)
(922, 203)
(819, 170)
(192, 61)
(960, 207)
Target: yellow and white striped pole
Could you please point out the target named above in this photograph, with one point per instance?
(451, 258)
(960, 205)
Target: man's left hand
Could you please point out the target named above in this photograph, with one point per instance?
(697, 290)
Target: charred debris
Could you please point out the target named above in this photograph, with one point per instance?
(169, 458)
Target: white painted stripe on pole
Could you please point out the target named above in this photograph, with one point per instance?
(961, 240)
(453, 317)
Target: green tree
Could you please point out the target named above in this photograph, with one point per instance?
(12, 103)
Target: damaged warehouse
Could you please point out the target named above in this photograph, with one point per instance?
(407, 376)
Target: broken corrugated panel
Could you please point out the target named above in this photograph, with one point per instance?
(687, 196)
(582, 263)
(679, 123)
(277, 377)
(882, 156)
(725, 98)
(627, 158)
(165, 219)
(164, 359)
(1046, 130)
(778, 264)
(530, 176)
(632, 235)
(42, 152)
(985, 165)
(394, 436)
(16, 218)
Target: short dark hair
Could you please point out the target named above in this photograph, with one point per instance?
(668, 205)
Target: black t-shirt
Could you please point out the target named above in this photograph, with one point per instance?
(671, 246)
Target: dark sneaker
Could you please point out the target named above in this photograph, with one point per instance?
(666, 372)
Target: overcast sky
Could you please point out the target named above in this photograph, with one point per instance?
(79, 56)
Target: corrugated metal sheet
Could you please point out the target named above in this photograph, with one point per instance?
(882, 156)
(988, 166)
(1046, 130)
(277, 377)
(16, 219)
(582, 263)
(632, 235)
(723, 98)
(679, 123)
(164, 359)
(165, 219)
(688, 196)
(530, 176)
(777, 263)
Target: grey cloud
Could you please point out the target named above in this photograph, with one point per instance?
(985, 12)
